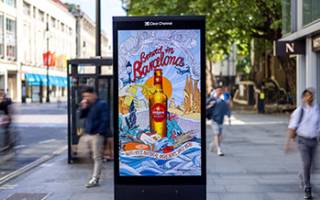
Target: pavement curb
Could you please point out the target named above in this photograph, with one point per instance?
(31, 166)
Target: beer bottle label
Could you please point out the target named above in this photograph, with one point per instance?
(158, 112)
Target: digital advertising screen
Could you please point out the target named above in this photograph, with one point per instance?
(159, 84)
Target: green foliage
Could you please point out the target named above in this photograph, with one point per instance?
(227, 21)
(244, 65)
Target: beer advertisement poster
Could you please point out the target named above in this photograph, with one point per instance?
(159, 102)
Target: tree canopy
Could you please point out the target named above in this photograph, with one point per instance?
(227, 21)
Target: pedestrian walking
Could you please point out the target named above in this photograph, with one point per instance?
(5, 121)
(216, 110)
(95, 112)
(304, 126)
(261, 101)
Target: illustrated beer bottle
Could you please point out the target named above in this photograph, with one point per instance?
(158, 107)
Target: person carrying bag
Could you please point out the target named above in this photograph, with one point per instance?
(304, 128)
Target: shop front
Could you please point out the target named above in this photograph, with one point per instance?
(34, 88)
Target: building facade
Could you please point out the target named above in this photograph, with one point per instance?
(224, 71)
(46, 31)
(301, 24)
(35, 35)
(9, 65)
(86, 34)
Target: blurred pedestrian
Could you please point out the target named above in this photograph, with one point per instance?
(261, 101)
(217, 108)
(95, 113)
(5, 120)
(305, 126)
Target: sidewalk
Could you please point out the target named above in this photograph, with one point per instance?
(254, 168)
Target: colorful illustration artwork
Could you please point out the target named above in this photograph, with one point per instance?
(159, 102)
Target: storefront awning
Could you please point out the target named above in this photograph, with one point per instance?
(33, 79)
(39, 79)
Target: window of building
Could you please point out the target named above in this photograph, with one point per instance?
(1, 36)
(34, 12)
(286, 16)
(311, 11)
(53, 22)
(62, 27)
(26, 9)
(70, 31)
(11, 43)
(41, 15)
(11, 2)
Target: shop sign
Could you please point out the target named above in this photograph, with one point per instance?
(316, 43)
(289, 48)
(49, 59)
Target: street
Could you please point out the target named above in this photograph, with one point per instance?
(41, 130)
(254, 168)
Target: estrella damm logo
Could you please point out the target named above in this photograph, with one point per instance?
(158, 112)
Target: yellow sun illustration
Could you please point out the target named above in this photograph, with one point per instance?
(149, 85)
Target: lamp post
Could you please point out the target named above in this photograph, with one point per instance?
(129, 70)
(98, 28)
(48, 82)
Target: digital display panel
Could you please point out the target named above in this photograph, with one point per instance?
(159, 102)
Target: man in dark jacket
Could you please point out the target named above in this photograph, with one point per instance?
(95, 112)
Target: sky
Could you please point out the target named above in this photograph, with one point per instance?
(109, 8)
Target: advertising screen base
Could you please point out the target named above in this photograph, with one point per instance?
(161, 192)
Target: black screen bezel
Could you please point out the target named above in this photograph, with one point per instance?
(138, 23)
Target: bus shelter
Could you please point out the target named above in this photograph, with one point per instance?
(97, 73)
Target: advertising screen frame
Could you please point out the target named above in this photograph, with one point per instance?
(159, 23)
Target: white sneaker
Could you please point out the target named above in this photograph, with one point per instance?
(94, 182)
(219, 152)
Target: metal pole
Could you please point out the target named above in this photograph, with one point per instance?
(48, 87)
(98, 28)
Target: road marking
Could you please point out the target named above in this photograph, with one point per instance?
(47, 141)
(20, 146)
(7, 187)
(235, 121)
(42, 125)
(59, 151)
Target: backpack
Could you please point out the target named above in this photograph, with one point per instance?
(293, 133)
(210, 109)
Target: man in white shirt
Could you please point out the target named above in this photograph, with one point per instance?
(305, 122)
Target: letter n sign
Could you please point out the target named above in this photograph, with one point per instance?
(289, 48)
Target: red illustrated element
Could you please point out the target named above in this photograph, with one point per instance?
(158, 112)
(168, 149)
(155, 59)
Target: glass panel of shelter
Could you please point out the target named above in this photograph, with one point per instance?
(86, 76)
